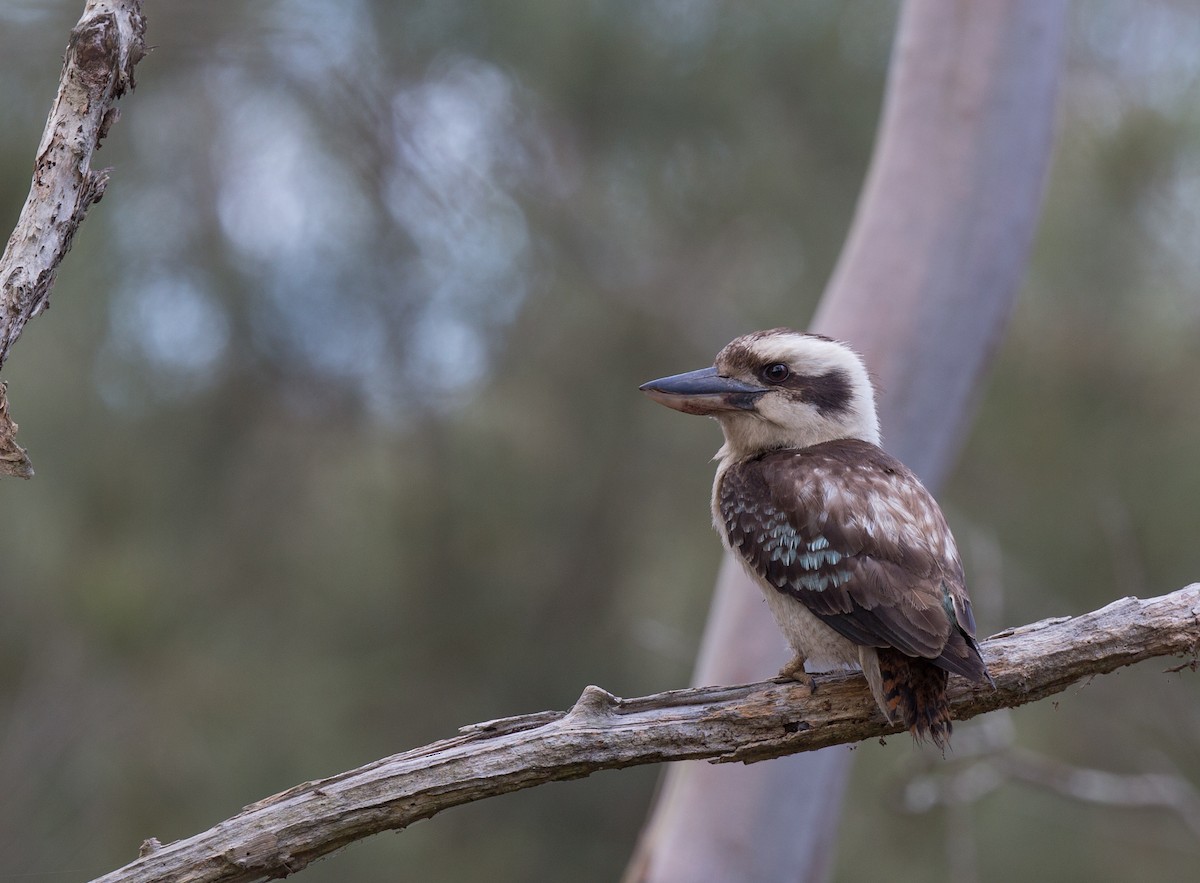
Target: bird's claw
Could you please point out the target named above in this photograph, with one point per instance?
(794, 670)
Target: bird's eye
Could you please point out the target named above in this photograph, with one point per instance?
(776, 373)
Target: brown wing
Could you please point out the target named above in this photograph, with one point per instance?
(850, 532)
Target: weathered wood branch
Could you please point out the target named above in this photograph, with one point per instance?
(282, 834)
(103, 50)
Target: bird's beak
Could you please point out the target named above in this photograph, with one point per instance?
(703, 392)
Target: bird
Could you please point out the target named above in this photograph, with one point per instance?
(852, 553)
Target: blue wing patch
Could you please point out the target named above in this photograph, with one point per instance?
(790, 557)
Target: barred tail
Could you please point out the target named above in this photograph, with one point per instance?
(916, 689)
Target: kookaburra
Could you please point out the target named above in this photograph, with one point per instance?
(851, 551)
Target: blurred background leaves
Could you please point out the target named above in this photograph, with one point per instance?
(339, 446)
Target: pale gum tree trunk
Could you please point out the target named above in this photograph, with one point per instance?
(923, 289)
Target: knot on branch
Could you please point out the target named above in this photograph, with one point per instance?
(95, 48)
(594, 705)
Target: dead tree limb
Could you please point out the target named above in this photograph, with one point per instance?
(103, 50)
(282, 834)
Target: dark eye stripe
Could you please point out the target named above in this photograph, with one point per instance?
(829, 392)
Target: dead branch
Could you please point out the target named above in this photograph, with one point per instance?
(282, 834)
(98, 66)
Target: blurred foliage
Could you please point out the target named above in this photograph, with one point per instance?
(339, 445)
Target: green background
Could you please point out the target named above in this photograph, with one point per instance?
(338, 442)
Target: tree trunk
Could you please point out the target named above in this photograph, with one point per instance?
(923, 289)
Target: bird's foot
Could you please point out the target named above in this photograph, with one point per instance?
(794, 670)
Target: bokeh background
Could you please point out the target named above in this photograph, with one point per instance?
(338, 442)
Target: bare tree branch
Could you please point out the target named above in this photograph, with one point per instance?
(104, 47)
(282, 834)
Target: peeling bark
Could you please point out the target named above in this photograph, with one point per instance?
(282, 834)
(102, 52)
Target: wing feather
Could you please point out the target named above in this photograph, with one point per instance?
(851, 533)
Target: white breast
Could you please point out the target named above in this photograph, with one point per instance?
(824, 648)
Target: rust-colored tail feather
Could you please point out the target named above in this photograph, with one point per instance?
(916, 689)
